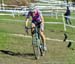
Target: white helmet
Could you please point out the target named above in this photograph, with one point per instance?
(31, 7)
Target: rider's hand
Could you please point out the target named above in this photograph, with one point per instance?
(26, 29)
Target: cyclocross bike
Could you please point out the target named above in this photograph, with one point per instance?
(37, 43)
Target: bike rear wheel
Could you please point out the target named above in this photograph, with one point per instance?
(42, 52)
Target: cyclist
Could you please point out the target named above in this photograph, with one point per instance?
(37, 18)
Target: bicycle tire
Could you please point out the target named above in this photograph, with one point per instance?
(36, 46)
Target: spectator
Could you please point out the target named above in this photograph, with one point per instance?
(67, 16)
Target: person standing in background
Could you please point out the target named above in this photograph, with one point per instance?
(67, 16)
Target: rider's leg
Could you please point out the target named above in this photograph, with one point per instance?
(43, 40)
(43, 36)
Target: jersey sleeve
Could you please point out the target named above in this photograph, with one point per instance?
(28, 15)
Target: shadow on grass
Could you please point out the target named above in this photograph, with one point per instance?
(17, 54)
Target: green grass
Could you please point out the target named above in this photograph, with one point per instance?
(18, 50)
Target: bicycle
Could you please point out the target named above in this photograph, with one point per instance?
(36, 43)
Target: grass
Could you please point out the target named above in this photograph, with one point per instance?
(18, 50)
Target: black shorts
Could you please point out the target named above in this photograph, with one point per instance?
(37, 23)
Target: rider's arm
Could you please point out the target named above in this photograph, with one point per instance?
(26, 22)
(27, 19)
(42, 18)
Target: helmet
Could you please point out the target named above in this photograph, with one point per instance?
(31, 7)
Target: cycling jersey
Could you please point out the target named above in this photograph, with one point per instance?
(36, 15)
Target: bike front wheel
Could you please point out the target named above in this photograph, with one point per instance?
(36, 47)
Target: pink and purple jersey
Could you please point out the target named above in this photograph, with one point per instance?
(36, 15)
